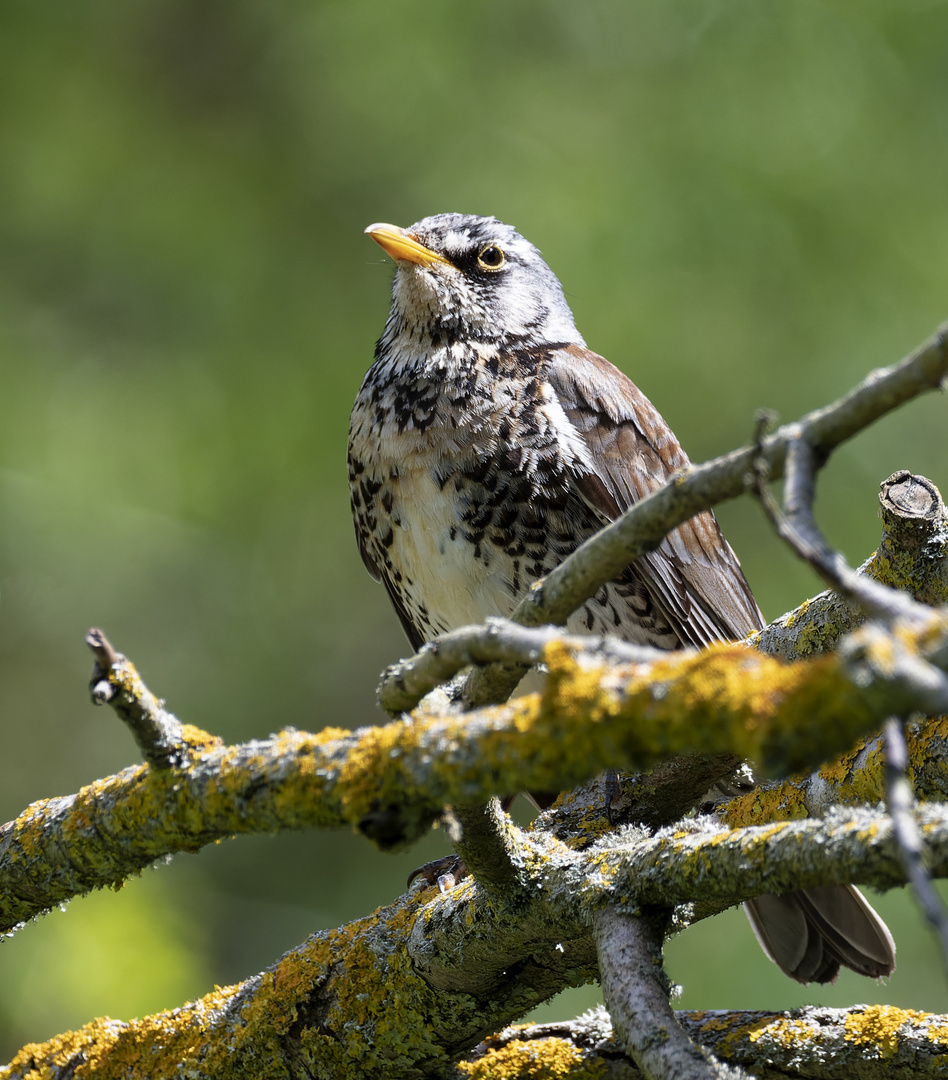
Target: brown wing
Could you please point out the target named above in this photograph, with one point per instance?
(693, 576)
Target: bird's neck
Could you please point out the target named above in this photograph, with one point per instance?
(410, 351)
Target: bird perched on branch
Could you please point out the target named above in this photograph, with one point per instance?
(487, 442)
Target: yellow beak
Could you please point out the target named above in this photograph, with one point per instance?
(402, 246)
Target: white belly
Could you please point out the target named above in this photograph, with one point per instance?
(438, 565)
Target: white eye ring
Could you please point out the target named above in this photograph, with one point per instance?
(491, 257)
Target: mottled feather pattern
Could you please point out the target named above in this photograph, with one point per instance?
(495, 479)
(516, 461)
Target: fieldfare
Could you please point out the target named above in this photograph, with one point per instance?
(487, 442)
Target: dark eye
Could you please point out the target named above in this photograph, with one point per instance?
(491, 258)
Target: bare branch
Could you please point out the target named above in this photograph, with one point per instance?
(912, 556)
(635, 990)
(908, 835)
(797, 526)
(497, 640)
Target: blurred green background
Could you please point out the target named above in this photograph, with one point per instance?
(745, 201)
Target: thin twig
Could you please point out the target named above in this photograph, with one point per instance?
(404, 684)
(912, 556)
(797, 526)
(901, 803)
(116, 682)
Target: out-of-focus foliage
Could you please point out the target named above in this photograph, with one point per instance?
(745, 201)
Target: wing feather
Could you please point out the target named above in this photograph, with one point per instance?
(693, 576)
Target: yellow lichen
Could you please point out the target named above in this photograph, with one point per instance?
(719, 1022)
(732, 1029)
(782, 1030)
(785, 802)
(538, 1059)
(380, 1018)
(931, 739)
(878, 1026)
(198, 740)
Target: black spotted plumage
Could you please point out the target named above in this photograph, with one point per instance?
(487, 442)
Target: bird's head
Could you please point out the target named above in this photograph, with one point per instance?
(461, 277)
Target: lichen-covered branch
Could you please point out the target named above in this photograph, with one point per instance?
(873, 1042)
(392, 782)
(406, 991)
(347, 1004)
(855, 846)
(161, 737)
(852, 778)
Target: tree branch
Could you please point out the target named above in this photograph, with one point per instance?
(873, 1042)
(162, 739)
(734, 865)
(635, 990)
(461, 963)
(392, 782)
(856, 777)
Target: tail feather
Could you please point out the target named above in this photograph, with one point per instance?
(810, 933)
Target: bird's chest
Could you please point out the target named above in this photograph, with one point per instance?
(454, 489)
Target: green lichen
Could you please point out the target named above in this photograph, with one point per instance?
(379, 1018)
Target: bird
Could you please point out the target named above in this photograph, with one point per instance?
(487, 442)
